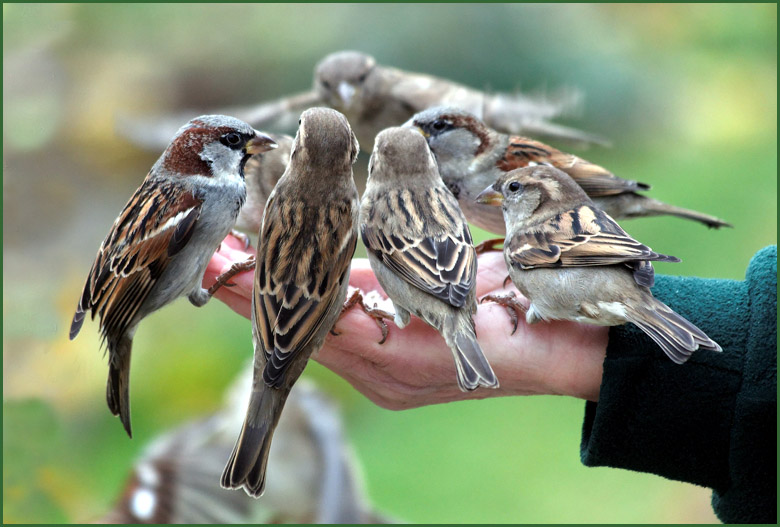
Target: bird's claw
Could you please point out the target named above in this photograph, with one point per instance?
(377, 314)
(513, 307)
(489, 245)
(240, 236)
(236, 268)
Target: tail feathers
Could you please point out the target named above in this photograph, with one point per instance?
(78, 321)
(118, 385)
(247, 464)
(673, 333)
(473, 368)
(652, 207)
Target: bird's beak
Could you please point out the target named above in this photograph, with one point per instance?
(346, 92)
(260, 143)
(490, 196)
(423, 132)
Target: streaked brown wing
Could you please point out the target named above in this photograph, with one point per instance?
(442, 264)
(584, 236)
(298, 278)
(595, 180)
(155, 224)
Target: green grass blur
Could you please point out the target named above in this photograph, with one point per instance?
(687, 93)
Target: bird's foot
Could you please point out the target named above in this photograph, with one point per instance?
(378, 315)
(236, 268)
(489, 245)
(240, 236)
(513, 307)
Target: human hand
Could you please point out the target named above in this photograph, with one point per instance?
(414, 367)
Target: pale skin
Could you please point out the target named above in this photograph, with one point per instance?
(415, 368)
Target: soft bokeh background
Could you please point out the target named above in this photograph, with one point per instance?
(688, 94)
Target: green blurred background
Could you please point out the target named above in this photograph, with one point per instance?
(687, 93)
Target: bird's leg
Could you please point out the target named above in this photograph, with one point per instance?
(513, 306)
(489, 245)
(377, 314)
(236, 268)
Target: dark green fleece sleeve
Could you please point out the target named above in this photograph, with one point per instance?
(711, 421)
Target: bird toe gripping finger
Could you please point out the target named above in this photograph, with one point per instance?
(236, 268)
(377, 314)
(489, 245)
(512, 305)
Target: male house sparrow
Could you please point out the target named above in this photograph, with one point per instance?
(375, 97)
(574, 262)
(420, 248)
(472, 156)
(159, 246)
(307, 240)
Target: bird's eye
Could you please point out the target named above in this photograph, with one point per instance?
(514, 186)
(326, 85)
(233, 138)
(362, 78)
(439, 125)
(299, 122)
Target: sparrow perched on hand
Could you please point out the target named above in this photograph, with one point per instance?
(472, 156)
(420, 248)
(159, 246)
(261, 173)
(307, 240)
(375, 97)
(574, 262)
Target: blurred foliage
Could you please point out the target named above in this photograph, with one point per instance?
(688, 93)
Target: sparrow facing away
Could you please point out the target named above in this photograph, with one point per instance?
(261, 174)
(159, 246)
(307, 240)
(420, 248)
(472, 156)
(375, 97)
(574, 262)
(317, 479)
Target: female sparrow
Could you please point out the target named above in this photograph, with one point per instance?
(307, 239)
(375, 97)
(261, 173)
(472, 156)
(574, 262)
(420, 248)
(159, 246)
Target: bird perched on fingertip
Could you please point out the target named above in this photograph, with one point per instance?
(420, 248)
(159, 246)
(307, 239)
(472, 156)
(574, 262)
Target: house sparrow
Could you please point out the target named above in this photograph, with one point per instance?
(420, 248)
(472, 156)
(176, 479)
(261, 173)
(375, 97)
(159, 246)
(574, 262)
(307, 240)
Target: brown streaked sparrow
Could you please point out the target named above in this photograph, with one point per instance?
(159, 246)
(316, 475)
(472, 156)
(307, 240)
(261, 174)
(420, 248)
(375, 97)
(574, 262)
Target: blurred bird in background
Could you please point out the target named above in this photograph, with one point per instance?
(316, 476)
(374, 97)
